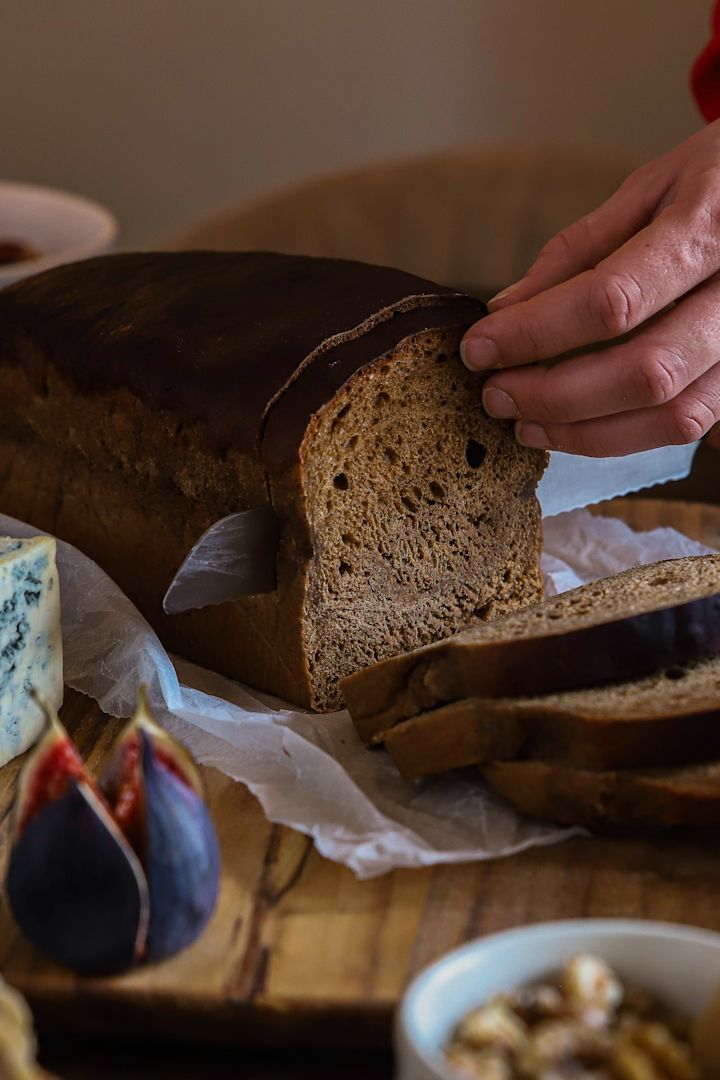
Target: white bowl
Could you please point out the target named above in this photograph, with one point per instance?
(63, 227)
(680, 963)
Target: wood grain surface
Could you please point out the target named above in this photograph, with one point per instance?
(300, 953)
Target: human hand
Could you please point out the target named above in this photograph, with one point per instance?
(654, 242)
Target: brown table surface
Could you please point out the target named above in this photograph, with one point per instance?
(321, 938)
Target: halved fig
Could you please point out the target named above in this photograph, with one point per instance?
(182, 858)
(121, 781)
(76, 887)
(156, 796)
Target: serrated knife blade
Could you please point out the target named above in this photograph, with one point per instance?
(571, 481)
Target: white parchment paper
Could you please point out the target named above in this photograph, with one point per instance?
(309, 771)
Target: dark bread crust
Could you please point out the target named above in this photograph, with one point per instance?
(479, 731)
(317, 383)
(209, 337)
(613, 651)
(659, 798)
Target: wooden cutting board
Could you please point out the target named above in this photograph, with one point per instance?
(300, 952)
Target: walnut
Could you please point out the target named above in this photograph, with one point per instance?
(559, 1042)
(533, 1003)
(493, 1025)
(671, 1058)
(480, 1065)
(590, 984)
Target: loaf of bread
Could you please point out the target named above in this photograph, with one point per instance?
(146, 396)
(649, 798)
(664, 719)
(619, 628)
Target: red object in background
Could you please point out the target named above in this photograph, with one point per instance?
(705, 76)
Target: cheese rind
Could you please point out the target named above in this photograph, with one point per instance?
(31, 654)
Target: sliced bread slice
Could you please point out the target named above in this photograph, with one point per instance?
(623, 627)
(649, 798)
(664, 719)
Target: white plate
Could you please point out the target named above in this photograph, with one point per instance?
(679, 963)
(62, 226)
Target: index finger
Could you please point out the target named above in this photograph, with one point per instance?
(662, 262)
(582, 244)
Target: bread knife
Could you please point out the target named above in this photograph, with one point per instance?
(236, 556)
(571, 481)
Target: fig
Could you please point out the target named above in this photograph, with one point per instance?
(182, 859)
(76, 888)
(156, 796)
(104, 876)
(121, 781)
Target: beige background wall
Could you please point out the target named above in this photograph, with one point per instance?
(165, 108)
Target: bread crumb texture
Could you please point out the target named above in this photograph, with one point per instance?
(422, 510)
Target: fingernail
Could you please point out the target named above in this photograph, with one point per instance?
(478, 353)
(528, 433)
(499, 404)
(505, 292)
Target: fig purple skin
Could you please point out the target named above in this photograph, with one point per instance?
(182, 858)
(76, 888)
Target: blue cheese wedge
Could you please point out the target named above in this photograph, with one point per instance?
(30, 639)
